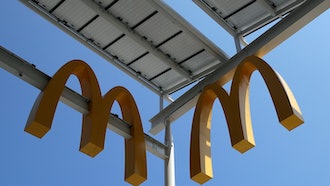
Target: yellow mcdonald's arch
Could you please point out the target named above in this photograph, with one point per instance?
(94, 123)
(236, 107)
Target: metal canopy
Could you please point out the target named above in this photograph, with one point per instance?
(157, 47)
(240, 18)
(144, 38)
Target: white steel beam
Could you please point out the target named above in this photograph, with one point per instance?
(27, 72)
(259, 47)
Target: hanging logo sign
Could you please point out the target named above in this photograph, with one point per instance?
(94, 123)
(235, 105)
(237, 112)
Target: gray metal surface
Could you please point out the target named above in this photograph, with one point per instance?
(145, 39)
(245, 16)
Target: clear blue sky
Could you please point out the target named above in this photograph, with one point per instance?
(299, 157)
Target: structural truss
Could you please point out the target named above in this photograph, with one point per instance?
(157, 47)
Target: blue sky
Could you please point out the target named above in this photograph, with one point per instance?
(299, 157)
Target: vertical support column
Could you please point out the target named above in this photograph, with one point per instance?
(237, 43)
(161, 103)
(169, 162)
(169, 166)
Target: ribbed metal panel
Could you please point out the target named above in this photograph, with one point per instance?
(106, 3)
(48, 4)
(249, 16)
(144, 38)
(245, 16)
(157, 29)
(282, 4)
(126, 49)
(181, 47)
(101, 32)
(76, 18)
(201, 62)
(169, 79)
(149, 66)
(225, 8)
(131, 11)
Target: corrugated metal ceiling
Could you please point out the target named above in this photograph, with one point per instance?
(150, 41)
(145, 38)
(245, 16)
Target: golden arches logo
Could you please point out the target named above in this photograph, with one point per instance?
(236, 107)
(94, 123)
(235, 104)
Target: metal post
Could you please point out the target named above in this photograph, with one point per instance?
(237, 43)
(161, 103)
(169, 167)
(169, 161)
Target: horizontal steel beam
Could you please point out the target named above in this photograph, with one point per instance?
(27, 72)
(259, 47)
